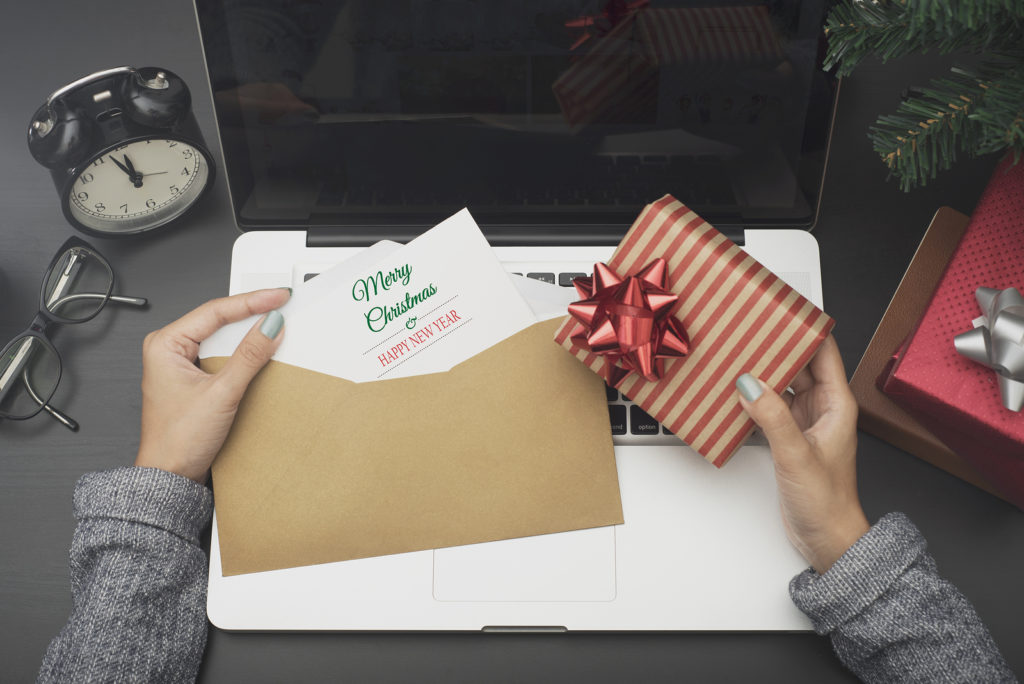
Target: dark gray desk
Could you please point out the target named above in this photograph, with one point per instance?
(868, 231)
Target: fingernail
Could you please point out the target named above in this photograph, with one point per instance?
(289, 290)
(749, 387)
(272, 324)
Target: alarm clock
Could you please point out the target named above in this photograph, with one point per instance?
(124, 150)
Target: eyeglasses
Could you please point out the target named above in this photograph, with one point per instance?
(76, 286)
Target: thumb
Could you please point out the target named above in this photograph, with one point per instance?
(251, 355)
(772, 415)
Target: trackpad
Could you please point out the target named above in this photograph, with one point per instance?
(568, 566)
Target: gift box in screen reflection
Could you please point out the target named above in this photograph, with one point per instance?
(959, 400)
(619, 78)
(738, 318)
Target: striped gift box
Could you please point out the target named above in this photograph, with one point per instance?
(740, 317)
(618, 69)
(726, 35)
(623, 65)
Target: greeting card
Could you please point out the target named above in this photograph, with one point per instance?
(414, 309)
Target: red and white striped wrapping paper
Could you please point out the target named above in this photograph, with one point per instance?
(622, 65)
(740, 317)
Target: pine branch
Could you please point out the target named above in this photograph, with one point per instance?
(966, 112)
(953, 16)
(929, 128)
(1000, 114)
(893, 28)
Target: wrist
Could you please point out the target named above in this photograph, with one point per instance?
(841, 536)
(145, 459)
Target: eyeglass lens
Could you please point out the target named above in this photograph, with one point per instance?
(78, 284)
(29, 372)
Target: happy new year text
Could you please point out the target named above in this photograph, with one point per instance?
(418, 338)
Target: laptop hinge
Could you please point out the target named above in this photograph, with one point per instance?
(357, 236)
(362, 236)
(734, 233)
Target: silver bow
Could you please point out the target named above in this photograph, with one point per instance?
(997, 341)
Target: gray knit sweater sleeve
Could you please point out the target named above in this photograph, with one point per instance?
(137, 580)
(892, 618)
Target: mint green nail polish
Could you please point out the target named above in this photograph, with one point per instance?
(272, 324)
(749, 387)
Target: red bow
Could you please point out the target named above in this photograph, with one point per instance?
(628, 322)
(614, 12)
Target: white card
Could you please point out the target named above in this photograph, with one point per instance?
(422, 308)
(224, 341)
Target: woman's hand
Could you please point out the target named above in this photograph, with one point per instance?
(814, 446)
(186, 412)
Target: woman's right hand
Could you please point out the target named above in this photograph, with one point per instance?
(813, 438)
(187, 412)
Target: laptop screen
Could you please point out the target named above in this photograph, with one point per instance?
(556, 115)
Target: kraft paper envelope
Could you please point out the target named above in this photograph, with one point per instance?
(512, 442)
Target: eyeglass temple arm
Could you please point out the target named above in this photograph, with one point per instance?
(134, 301)
(67, 276)
(120, 299)
(63, 418)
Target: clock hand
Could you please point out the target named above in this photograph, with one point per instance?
(122, 167)
(155, 173)
(135, 176)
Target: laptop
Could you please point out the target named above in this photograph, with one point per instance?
(554, 122)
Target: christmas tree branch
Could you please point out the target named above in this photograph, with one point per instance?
(1000, 116)
(929, 128)
(966, 111)
(893, 28)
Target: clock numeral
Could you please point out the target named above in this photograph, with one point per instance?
(100, 207)
(171, 143)
(184, 171)
(99, 160)
(187, 154)
(83, 196)
(150, 203)
(86, 178)
(124, 208)
(174, 189)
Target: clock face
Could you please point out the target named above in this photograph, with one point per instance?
(138, 185)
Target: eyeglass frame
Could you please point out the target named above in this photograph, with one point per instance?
(44, 318)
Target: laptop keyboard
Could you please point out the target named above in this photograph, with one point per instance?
(611, 180)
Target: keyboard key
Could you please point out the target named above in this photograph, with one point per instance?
(546, 277)
(641, 423)
(360, 197)
(666, 431)
(612, 393)
(565, 279)
(617, 417)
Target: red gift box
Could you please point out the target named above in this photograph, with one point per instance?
(739, 317)
(955, 398)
